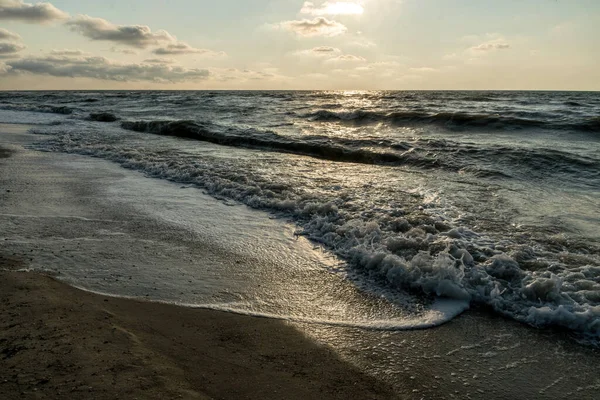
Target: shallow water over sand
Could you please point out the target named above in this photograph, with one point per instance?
(113, 231)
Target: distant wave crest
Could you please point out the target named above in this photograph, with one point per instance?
(486, 162)
(38, 108)
(266, 140)
(449, 120)
(103, 117)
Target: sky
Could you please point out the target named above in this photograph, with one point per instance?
(296, 44)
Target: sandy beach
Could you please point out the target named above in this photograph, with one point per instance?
(57, 341)
(60, 342)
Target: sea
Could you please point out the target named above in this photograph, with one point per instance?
(431, 200)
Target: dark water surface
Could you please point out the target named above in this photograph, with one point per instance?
(488, 197)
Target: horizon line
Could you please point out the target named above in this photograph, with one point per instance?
(302, 90)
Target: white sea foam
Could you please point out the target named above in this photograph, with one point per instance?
(403, 231)
(413, 249)
(441, 311)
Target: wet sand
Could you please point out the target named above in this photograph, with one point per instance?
(60, 342)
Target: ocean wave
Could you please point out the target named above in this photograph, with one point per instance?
(450, 120)
(441, 311)
(572, 104)
(478, 251)
(482, 98)
(444, 118)
(480, 172)
(590, 125)
(407, 250)
(321, 147)
(492, 162)
(38, 108)
(514, 162)
(103, 117)
(540, 161)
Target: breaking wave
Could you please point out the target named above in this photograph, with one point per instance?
(478, 244)
(450, 120)
(497, 162)
(318, 147)
(403, 249)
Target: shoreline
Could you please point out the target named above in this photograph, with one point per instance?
(58, 340)
(475, 355)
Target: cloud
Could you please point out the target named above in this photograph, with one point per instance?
(321, 51)
(160, 61)
(246, 75)
(324, 50)
(17, 10)
(333, 8)
(105, 69)
(315, 75)
(387, 64)
(330, 54)
(256, 75)
(497, 44)
(490, 42)
(363, 42)
(478, 49)
(319, 26)
(122, 51)
(184, 48)
(347, 58)
(139, 36)
(423, 69)
(8, 35)
(10, 49)
(68, 52)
